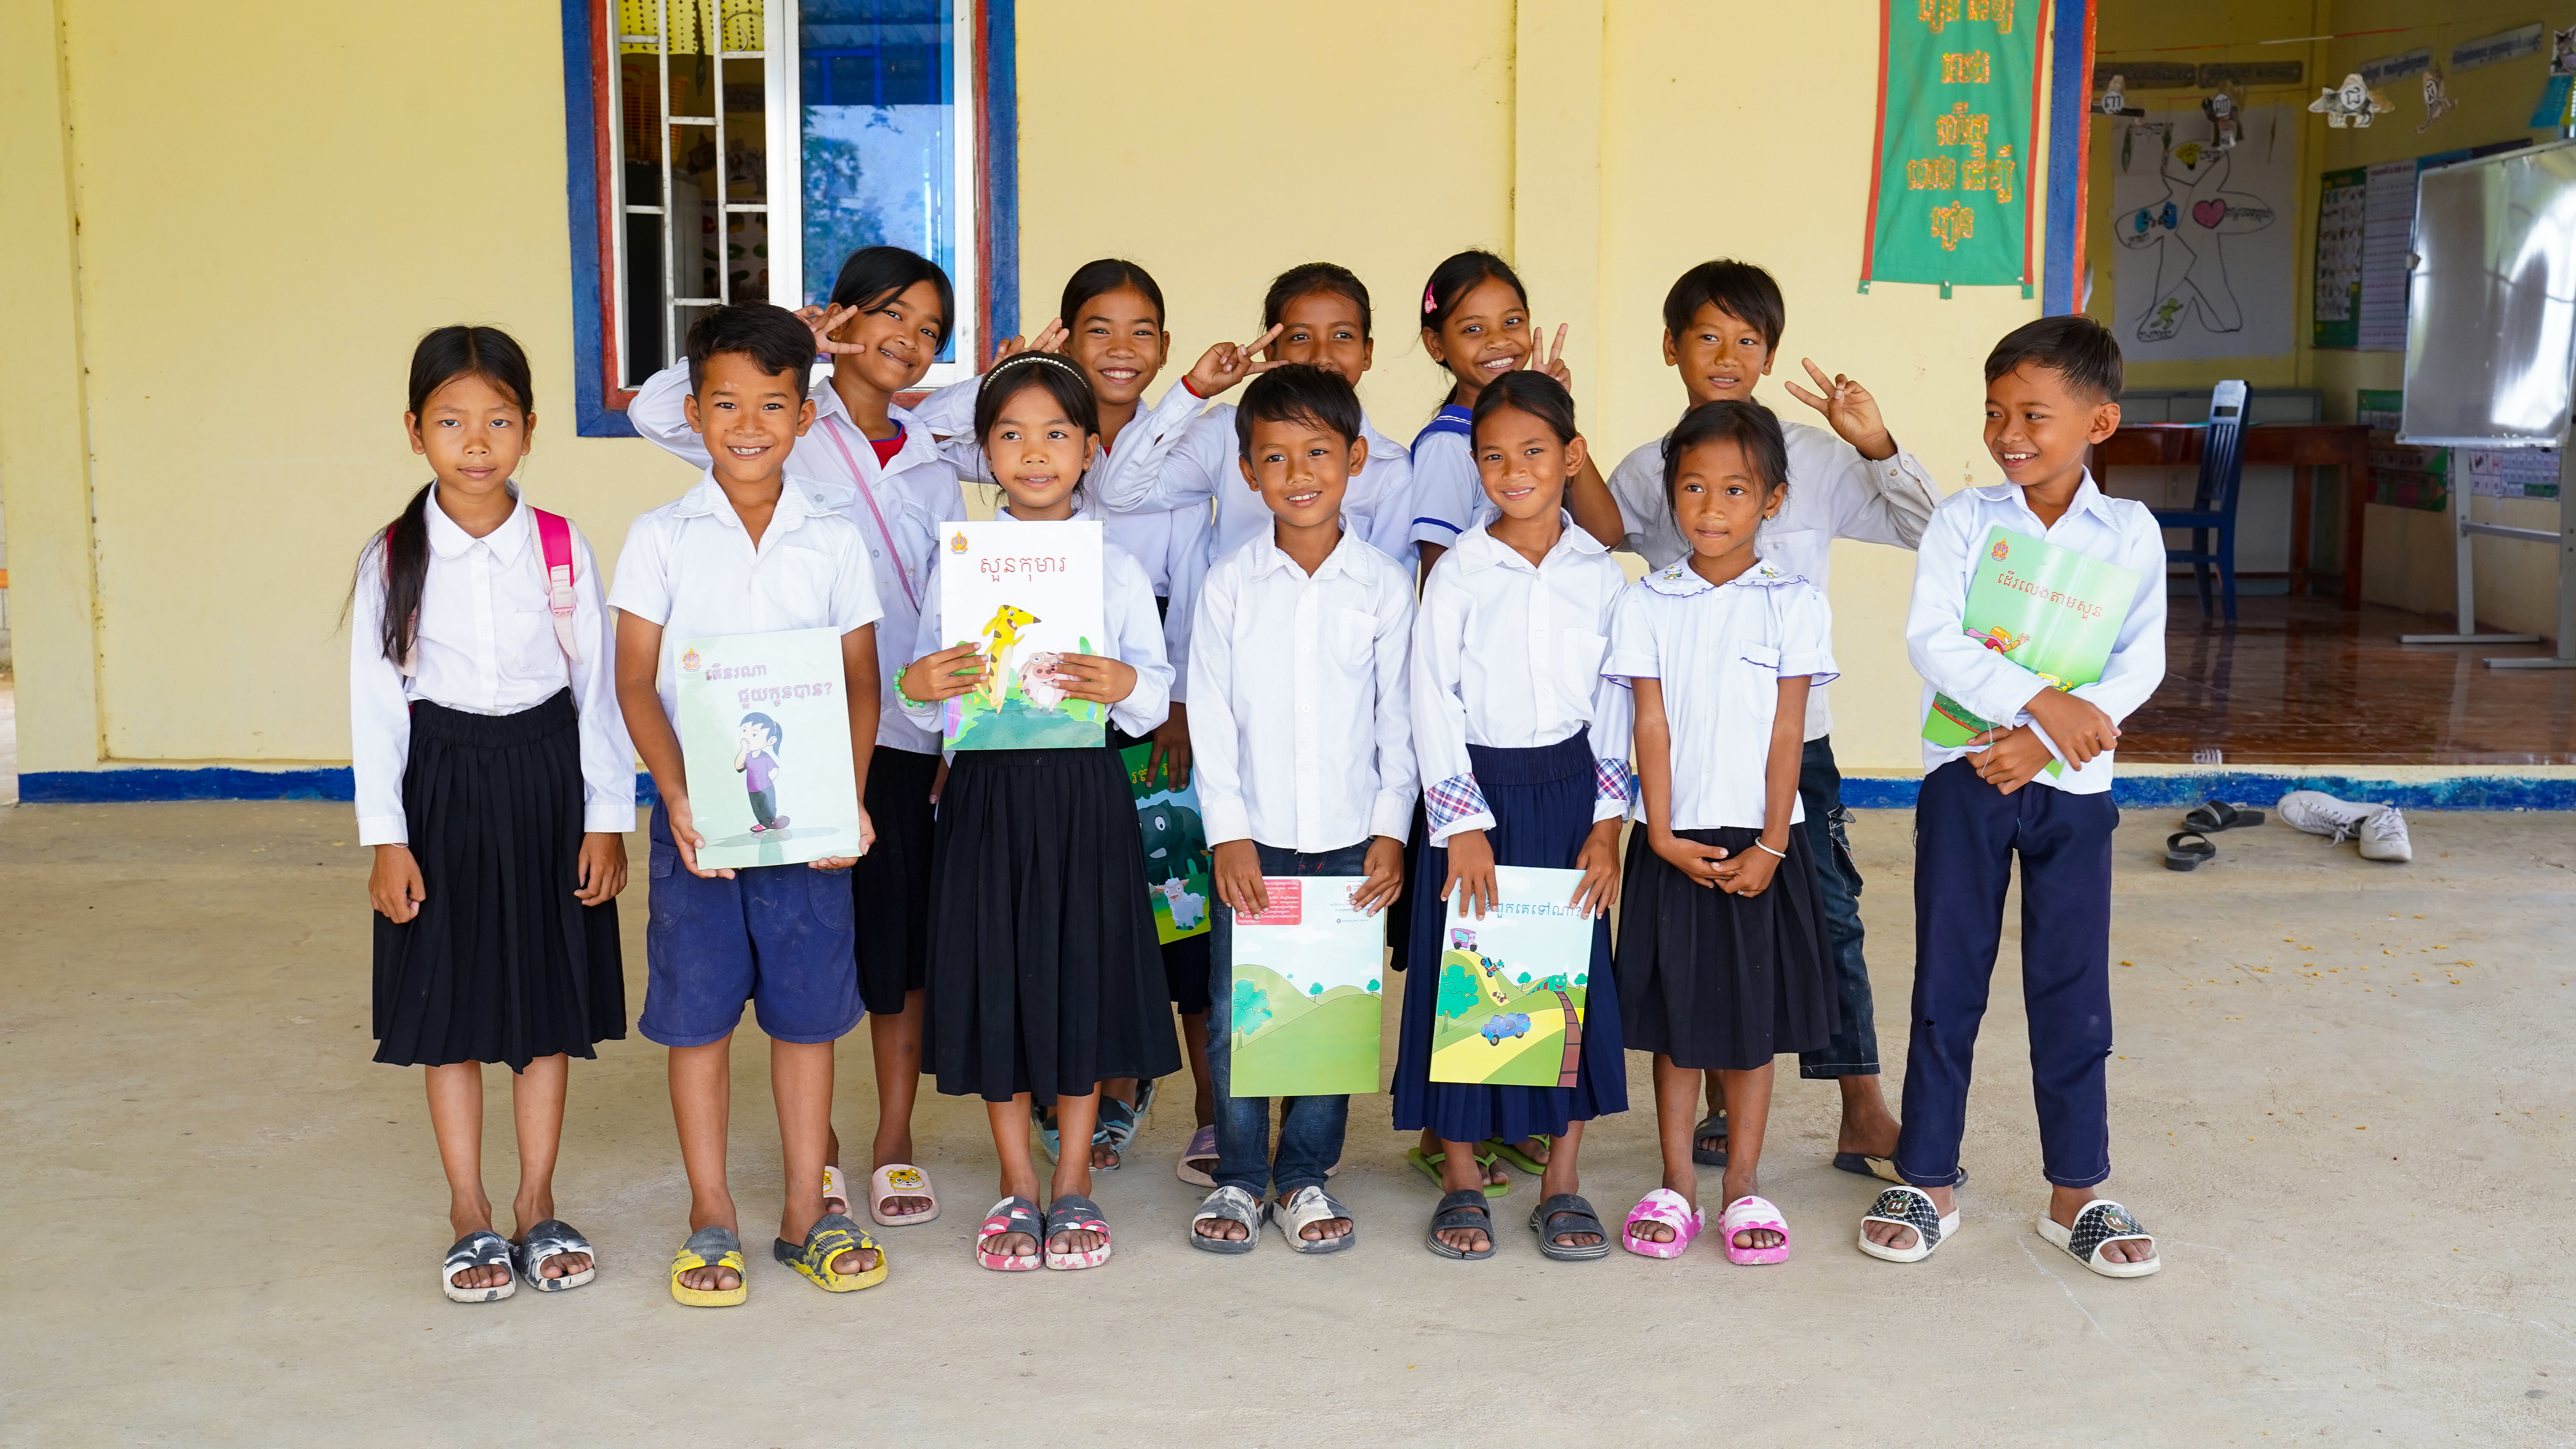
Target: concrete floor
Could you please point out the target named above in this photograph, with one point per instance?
(2341, 1097)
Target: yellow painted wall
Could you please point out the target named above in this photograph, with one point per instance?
(213, 363)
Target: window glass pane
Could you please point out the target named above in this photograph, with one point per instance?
(879, 132)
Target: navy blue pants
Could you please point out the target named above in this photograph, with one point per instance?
(1853, 1049)
(1310, 1128)
(1966, 833)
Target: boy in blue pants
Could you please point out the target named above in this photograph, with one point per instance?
(2051, 392)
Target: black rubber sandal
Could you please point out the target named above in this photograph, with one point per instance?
(2218, 815)
(1712, 1125)
(1464, 1208)
(1576, 1213)
(2188, 850)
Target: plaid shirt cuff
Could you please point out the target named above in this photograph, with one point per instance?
(1453, 800)
(1613, 780)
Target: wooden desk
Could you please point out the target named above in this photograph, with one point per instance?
(2303, 447)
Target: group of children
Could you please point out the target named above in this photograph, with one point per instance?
(1407, 665)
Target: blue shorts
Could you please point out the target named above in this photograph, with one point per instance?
(779, 936)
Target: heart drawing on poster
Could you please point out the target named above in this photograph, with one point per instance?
(2209, 213)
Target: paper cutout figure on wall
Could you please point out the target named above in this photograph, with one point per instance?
(2187, 227)
(2437, 98)
(2226, 127)
(2352, 104)
(2562, 51)
(2115, 99)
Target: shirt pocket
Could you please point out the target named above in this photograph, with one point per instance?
(799, 585)
(1750, 691)
(833, 905)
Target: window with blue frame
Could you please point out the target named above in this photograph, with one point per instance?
(885, 160)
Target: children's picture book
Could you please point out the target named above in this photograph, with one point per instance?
(2051, 610)
(1177, 867)
(1025, 595)
(1306, 990)
(1513, 985)
(765, 734)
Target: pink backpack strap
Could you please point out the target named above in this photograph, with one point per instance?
(554, 539)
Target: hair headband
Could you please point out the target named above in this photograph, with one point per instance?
(1017, 358)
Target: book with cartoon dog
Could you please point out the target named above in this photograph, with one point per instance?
(1177, 866)
(1026, 595)
(1513, 985)
(765, 733)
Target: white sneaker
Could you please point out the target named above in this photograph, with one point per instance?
(2383, 836)
(2319, 813)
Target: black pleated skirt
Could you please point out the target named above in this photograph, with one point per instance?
(890, 886)
(1044, 973)
(1718, 982)
(502, 964)
(1542, 802)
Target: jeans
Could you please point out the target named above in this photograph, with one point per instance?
(1966, 833)
(1310, 1128)
(1853, 1051)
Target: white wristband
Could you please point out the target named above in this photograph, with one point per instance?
(1758, 845)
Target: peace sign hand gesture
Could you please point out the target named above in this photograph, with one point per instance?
(1849, 410)
(1226, 364)
(827, 320)
(1050, 338)
(1553, 361)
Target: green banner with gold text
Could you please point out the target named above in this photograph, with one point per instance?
(1951, 193)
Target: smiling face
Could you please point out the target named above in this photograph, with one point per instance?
(901, 334)
(1324, 328)
(1522, 463)
(1301, 468)
(1720, 355)
(473, 434)
(749, 418)
(1118, 339)
(1038, 453)
(2038, 428)
(1720, 502)
(1487, 335)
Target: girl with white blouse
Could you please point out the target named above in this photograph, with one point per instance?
(1722, 961)
(1523, 750)
(496, 784)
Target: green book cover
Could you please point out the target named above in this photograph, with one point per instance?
(1308, 1011)
(1514, 985)
(2051, 610)
(1177, 879)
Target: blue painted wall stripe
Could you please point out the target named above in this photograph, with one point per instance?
(1002, 167)
(2069, 97)
(592, 417)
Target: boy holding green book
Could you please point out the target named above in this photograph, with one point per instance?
(2038, 623)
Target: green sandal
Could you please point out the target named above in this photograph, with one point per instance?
(1511, 1152)
(1429, 1164)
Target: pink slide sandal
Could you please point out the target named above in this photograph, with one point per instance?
(1670, 1208)
(1011, 1215)
(836, 1191)
(1755, 1214)
(900, 1179)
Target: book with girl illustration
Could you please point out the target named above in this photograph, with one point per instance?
(1026, 594)
(2051, 610)
(1513, 985)
(765, 734)
(1307, 977)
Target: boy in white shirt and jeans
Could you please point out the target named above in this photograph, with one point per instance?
(1722, 325)
(2051, 390)
(1301, 729)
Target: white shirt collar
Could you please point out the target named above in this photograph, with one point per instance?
(2088, 499)
(1267, 555)
(1081, 510)
(795, 505)
(447, 540)
(1680, 581)
(1477, 549)
(917, 442)
(1379, 444)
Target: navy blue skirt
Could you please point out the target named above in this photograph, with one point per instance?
(1542, 801)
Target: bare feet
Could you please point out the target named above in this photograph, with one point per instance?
(1466, 1240)
(1901, 1236)
(530, 1210)
(1647, 1230)
(712, 1279)
(1485, 1174)
(466, 1218)
(1321, 1228)
(2064, 1203)
(1741, 1183)
(1868, 1128)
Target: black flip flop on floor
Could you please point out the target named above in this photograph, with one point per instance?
(1712, 1125)
(2218, 815)
(2188, 850)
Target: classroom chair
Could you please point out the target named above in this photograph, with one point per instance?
(2213, 502)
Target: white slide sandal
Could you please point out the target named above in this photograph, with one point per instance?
(482, 1248)
(1909, 1207)
(2099, 1222)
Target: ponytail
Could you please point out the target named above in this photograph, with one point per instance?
(406, 564)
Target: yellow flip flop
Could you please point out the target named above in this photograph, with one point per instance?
(712, 1246)
(832, 1235)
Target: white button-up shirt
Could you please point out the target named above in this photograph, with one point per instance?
(1719, 653)
(1508, 656)
(1300, 729)
(1834, 492)
(1135, 638)
(2116, 530)
(898, 506)
(690, 567)
(485, 644)
(1183, 456)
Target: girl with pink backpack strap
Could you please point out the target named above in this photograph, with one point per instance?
(496, 784)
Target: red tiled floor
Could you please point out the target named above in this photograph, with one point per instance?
(2300, 682)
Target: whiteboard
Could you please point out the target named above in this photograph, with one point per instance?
(2491, 305)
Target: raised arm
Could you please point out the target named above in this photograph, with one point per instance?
(660, 412)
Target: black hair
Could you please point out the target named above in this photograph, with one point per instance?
(1305, 280)
(1298, 392)
(440, 358)
(770, 335)
(1749, 425)
(873, 276)
(2074, 346)
(777, 736)
(1108, 274)
(1453, 279)
(1534, 393)
(1739, 289)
